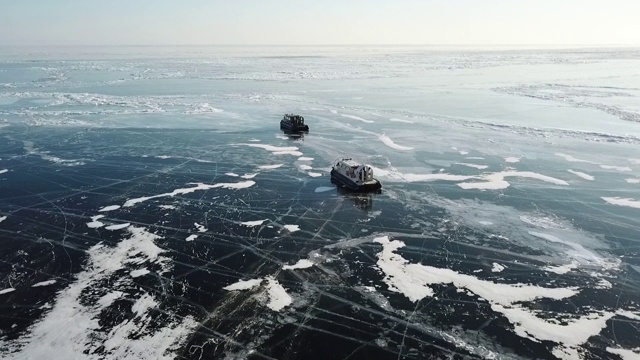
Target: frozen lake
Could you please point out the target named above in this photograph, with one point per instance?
(151, 207)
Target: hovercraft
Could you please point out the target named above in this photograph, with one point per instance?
(293, 123)
(354, 176)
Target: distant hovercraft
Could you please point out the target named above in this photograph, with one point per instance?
(293, 123)
(354, 176)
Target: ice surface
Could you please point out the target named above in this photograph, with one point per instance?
(83, 129)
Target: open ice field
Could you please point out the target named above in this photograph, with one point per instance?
(150, 207)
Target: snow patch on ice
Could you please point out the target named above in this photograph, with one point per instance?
(270, 167)
(232, 174)
(476, 166)
(401, 120)
(117, 226)
(496, 181)
(278, 297)
(253, 223)
(200, 227)
(304, 158)
(3, 171)
(292, 228)
(573, 159)
(314, 174)
(512, 159)
(139, 272)
(3, 218)
(387, 141)
(623, 201)
(358, 118)
(625, 354)
(94, 223)
(44, 283)
(248, 176)
(276, 150)
(243, 285)
(167, 207)
(198, 187)
(6, 291)
(497, 267)
(561, 269)
(301, 264)
(582, 175)
(323, 189)
(109, 208)
(191, 237)
(305, 167)
(617, 168)
(633, 181)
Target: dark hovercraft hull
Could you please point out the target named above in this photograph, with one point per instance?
(287, 126)
(345, 182)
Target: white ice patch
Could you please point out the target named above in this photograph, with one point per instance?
(301, 264)
(3, 218)
(167, 207)
(80, 319)
(387, 141)
(435, 177)
(463, 152)
(476, 166)
(485, 222)
(203, 109)
(623, 201)
(496, 181)
(413, 280)
(401, 120)
(44, 283)
(232, 174)
(278, 297)
(512, 159)
(358, 118)
(139, 272)
(305, 167)
(582, 175)
(561, 269)
(94, 224)
(292, 228)
(270, 167)
(304, 158)
(617, 168)
(633, 181)
(323, 189)
(117, 226)
(314, 174)
(573, 159)
(577, 252)
(3, 171)
(248, 176)
(625, 354)
(243, 285)
(253, 223)
(191, 237)
(200, 227)
(109, 208)
(6, 291)
(497, 267)
(198, 187)
(276, 150)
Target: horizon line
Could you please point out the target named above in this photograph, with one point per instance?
(311, 45)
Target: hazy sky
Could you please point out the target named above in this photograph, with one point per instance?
(453, 22)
